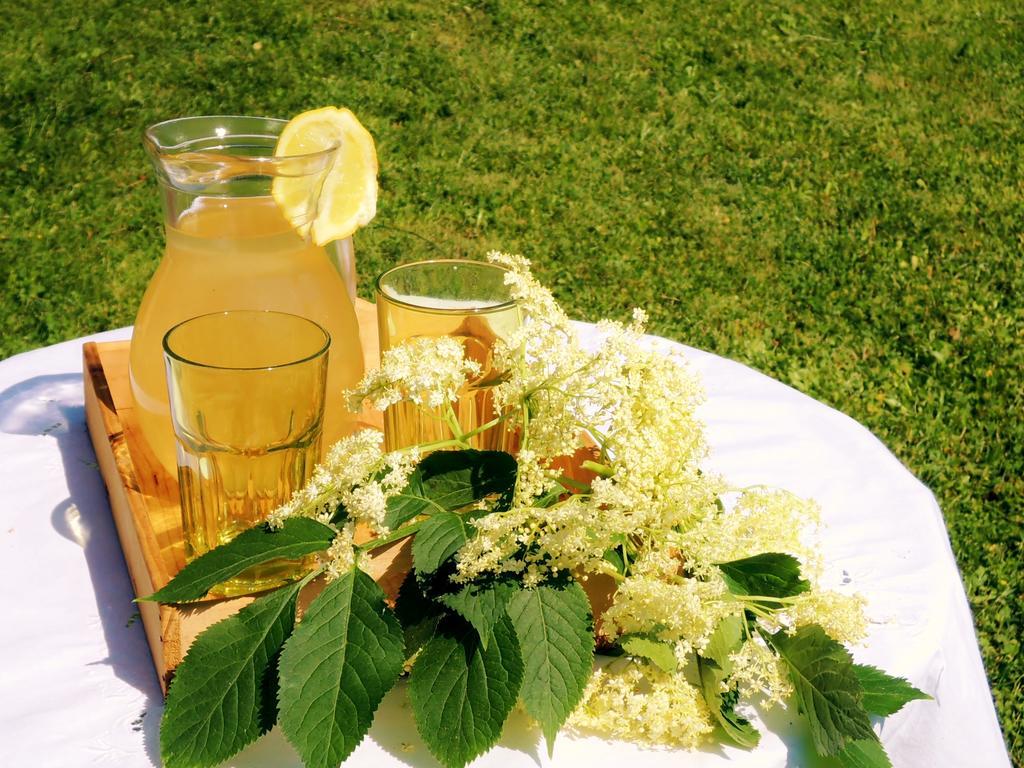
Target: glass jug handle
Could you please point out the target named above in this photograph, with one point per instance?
(343, 254)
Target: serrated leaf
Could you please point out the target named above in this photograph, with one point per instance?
(222, 697)
(724, 641)
(461, 693)
(344, 656)
(438, 538)
(450, 480)
(866, 753)
(714, 668)
(772, 574)
(417, 614)
(298, 537)
(723, 705)
(555, 631)
(884, 694)
(656, 651)
(482, 605)
(826, 687)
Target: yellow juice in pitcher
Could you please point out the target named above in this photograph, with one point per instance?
(240, 253)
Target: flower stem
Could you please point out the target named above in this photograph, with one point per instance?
(573, 485)
(598, 469)
(396, 535)
(453, 423)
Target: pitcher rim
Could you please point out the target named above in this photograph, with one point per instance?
(159, 148)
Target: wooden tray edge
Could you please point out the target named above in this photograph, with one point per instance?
(162, 623)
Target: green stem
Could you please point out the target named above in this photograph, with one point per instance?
(453, 422)
(766, 599)
(597, 434)
(437, 445)
(396, 535)
(312, 575)
(573, 485)
(598, 469)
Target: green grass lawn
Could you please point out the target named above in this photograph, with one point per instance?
(830, 194)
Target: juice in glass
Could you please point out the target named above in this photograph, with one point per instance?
(247, 403)
(468, 301)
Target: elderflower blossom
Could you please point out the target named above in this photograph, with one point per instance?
(643, 498)
(357, 475)
(759, 521)
(533, 541)
(426, 371)
(341, 555)
(760, 674)
(840, 615)
(540, 357)
(641, 703)
(683, 609)
(642, 404)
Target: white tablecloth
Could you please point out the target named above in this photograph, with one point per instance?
(77, 687)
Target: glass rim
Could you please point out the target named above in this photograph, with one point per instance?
(435, 310)
(320, 352)
(159, 147)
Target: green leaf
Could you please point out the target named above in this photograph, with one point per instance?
(223, 694)
(714, 668)
(417, 614)
(724, 642)
(866, 753)
(772, 574)
(482, 605)
(555, 631)
(462, 693)
(450, 480)
(723, 707)
(344, 656)
(614, 556)
(298, 537)
(656, 651)
(826, 687)
(883, 694)
(439, 538)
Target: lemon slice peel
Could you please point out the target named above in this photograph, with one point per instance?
(331, 205)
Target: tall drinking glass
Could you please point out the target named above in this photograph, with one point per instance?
(467, 300)
(246, 392)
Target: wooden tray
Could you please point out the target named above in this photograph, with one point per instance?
(144, 503)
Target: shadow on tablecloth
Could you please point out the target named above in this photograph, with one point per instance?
(53, 406)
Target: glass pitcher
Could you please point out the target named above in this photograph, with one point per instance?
(229, 247)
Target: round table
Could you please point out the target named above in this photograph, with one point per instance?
(77, 686)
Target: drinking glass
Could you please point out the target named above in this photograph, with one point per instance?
(464, 299)
(246, 391)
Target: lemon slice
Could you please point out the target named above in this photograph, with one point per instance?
(347, 200)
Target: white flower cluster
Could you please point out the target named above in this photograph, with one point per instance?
(426, 371)
(540, 358)
(640, 510)
(341, 556)
(358, 476)
(638, 404)
(648, 498)
(641, 703)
